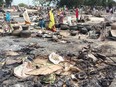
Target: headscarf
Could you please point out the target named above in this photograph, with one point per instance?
(52, 20)
(26, 17)
(77, 13)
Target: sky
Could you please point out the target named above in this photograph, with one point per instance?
(28, 2)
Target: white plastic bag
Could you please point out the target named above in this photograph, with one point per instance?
(55, 58)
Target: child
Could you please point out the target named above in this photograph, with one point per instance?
(41, 23)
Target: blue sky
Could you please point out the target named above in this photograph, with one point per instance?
(16, 2)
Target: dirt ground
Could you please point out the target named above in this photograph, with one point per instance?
(69, 47)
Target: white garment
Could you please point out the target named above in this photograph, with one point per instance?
(69, 20)
(26, 16)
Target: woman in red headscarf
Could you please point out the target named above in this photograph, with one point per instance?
(77, 14)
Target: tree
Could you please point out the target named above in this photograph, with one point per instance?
(71, 3)
(22, 5)
(1, 2)
(98, 2)
(47, 2)
(68, 3)
(39, 2)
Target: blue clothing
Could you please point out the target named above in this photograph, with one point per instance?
(8, 17)
(42, 23)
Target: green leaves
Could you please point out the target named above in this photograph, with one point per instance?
(1, 2)
(22, 5)
(71, 3)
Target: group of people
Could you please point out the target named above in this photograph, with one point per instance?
(110, 9)
(57, 16)
(54, 16)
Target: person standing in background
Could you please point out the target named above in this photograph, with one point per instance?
(8, 17)
(51, 25)
(111, 10)
(6, 25)
(107, 9)
(14, 9)
(61, 18)
(77, 14)
(41, 22)
(26, 17)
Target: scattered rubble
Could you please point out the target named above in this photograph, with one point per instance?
(81, 55)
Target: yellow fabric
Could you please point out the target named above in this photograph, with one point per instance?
(27, 22)
(52, 21)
